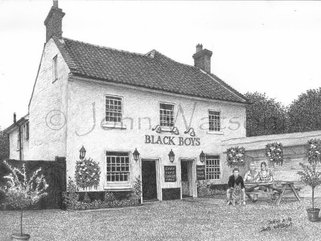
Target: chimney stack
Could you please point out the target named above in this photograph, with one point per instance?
(53, 21)
(14, 117)
(202, 58)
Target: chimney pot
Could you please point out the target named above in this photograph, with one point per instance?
(199, 47)
(55, 3)
(14, 117)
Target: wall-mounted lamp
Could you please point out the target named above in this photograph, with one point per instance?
(202, 156)
(171, 156)
(82, 153)
(136, 155)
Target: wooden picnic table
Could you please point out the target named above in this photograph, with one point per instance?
(287, 186)
(271, 187)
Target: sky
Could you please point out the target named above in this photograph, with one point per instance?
(265, 46)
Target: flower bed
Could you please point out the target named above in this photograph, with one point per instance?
(72, 200)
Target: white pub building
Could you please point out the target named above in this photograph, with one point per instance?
(138, 115)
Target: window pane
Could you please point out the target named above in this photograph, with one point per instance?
(212, 167)
(166, 115)
(113, 109)
(117, 166)
(214, 119)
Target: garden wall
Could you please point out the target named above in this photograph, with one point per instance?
(55, 174)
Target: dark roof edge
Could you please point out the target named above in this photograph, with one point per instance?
(19, 122)
(156, 89)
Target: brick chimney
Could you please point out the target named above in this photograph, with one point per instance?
(53, 21)
(202, 58)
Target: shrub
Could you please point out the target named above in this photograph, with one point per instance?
(71, 197)
(87, 173)
(109, 197)
(22, 191)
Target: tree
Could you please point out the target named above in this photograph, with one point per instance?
(305, 112)
(21, 190)
(4, 146)
(264, 116)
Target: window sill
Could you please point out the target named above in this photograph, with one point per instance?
(113, 125)
(215, 132)
(115, 186)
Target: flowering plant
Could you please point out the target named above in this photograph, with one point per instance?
(274, 152)
(22, 191)
(87, 173)
(235, 156)
(313, 148)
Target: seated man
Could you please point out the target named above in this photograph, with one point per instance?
(235, 183)
(251, 176)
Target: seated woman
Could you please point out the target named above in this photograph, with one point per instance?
(265, 175)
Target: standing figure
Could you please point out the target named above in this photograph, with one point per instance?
(236, 188)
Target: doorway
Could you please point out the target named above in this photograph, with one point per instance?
(149, 180)
(186, 178)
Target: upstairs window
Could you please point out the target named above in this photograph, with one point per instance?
(166, 115)
(212, 167)
(113, 109)
(214, 118)
(54, 69)
(117, 166)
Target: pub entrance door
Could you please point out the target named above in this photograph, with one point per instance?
(186, 178)
(149, 180)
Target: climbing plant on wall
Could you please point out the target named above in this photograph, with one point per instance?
(313, 149)
(87, 173)
(274, 152)
(235, 156)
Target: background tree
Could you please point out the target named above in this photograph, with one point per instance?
(305, 112)
(4, 146)
(264, 116)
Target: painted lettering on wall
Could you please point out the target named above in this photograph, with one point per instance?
(172, 140)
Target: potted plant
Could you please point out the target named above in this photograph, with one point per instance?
(22, 191)
(310, 176)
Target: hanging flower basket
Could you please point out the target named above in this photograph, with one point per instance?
(235, 156)
(274, 152)
(313, 149)
(87, 173)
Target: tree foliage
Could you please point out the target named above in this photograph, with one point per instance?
(264, 116)
(305, 112)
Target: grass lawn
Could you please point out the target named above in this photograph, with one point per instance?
(192, 219)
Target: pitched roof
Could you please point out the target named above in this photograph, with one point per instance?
(152, 70)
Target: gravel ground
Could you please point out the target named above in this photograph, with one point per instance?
(190, 219)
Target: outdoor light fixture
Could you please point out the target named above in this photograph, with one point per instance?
(136, 155)
(82, 153)
(171, 156)
(202, 156)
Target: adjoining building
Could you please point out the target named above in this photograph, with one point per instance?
(113, 102)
